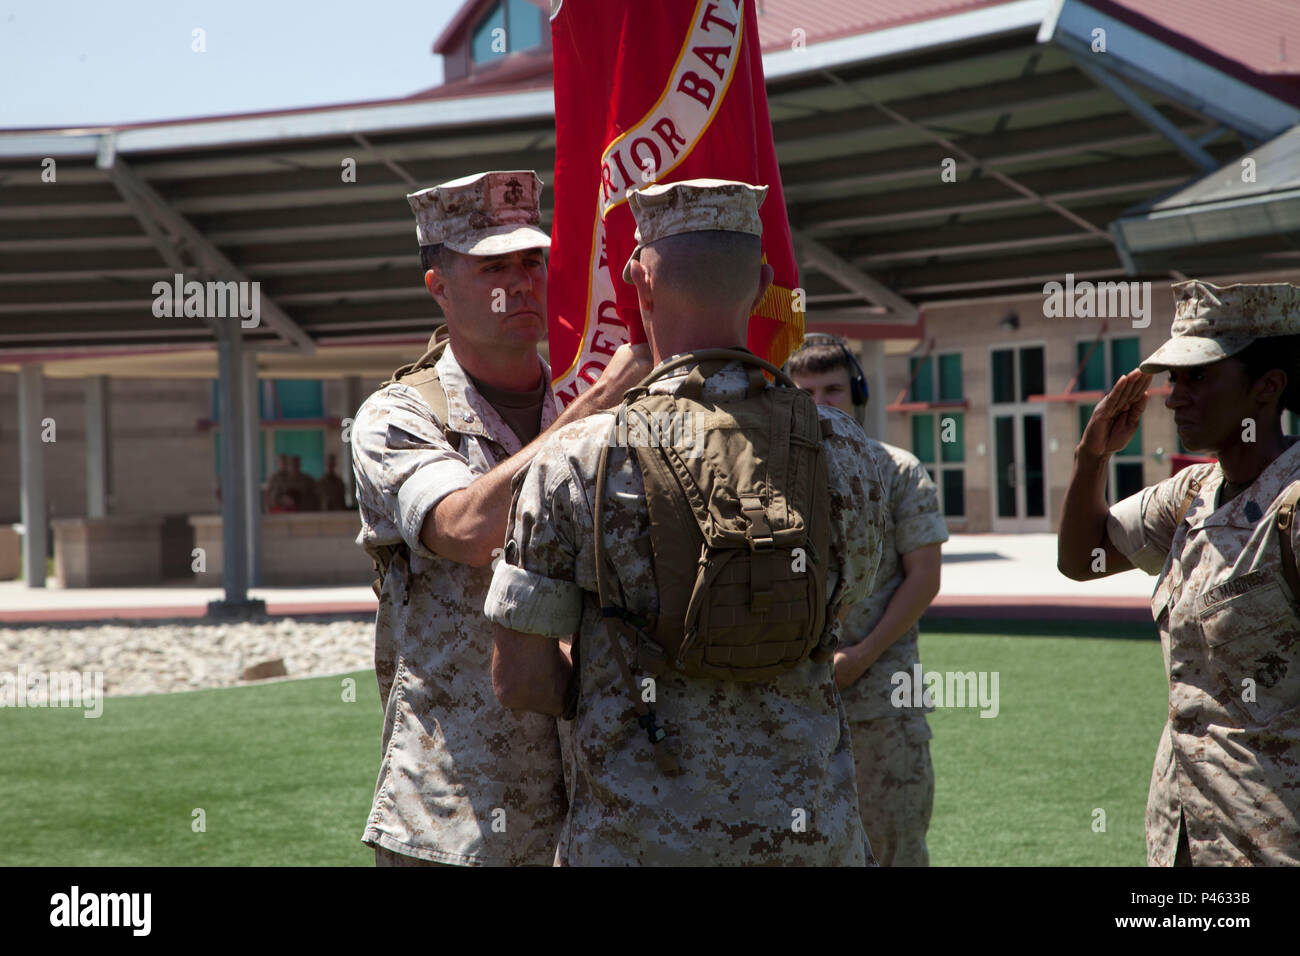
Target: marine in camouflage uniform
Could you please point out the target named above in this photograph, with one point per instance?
(1228, 761)
(891, 745)
(766, 768)
(462, 779)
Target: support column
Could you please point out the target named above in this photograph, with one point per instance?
(872, 358)
(97, 446)
(234, 547)
(352, 399)
(31, 468)
(251, 438)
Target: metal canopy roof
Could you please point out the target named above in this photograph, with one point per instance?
(1049, 149)
(1249, 206)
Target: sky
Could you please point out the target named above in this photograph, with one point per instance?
(104, 62)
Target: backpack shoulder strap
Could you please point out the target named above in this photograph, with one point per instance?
(425, 381)
(422, 375)
(1285, 523)
(1193, 489)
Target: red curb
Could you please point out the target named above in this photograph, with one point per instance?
(56, 615)
(1042, 607)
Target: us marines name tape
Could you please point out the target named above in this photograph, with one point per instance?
(1229, 589)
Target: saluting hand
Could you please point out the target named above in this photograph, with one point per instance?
(1117, 416)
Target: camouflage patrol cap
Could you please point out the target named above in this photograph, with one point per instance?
(486, 214)
(692, 205)
(1214, 322)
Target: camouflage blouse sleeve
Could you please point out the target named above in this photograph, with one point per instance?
(403, 463)
(1143, 525)
(914, 503)
(534, 586)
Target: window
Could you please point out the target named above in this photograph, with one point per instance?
(939, 436)
(1108, 362)
(281, 402)
(1004, 379)
(508, 26)
(923, 379)
(939, 441)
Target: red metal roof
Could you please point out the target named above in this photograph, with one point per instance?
(1263, 35)
(830, 19)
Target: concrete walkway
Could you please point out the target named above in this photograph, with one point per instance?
(984, 575)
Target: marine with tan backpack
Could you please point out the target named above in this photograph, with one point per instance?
(700, 576)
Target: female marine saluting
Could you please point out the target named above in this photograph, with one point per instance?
(1225, 788)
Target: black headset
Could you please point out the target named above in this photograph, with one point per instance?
(858, 390)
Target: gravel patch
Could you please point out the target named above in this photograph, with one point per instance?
(167, 655)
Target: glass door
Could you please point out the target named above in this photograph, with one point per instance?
(1019, 486)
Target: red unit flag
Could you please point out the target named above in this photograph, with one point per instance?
(646, 93)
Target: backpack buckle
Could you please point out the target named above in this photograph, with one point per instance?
(760, 532)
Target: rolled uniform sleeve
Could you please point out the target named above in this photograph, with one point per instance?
(404, 464)
(534, 586)
(1143, 525)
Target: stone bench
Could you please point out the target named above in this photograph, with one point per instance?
(11, 552)
(113, 551)
(298, 548)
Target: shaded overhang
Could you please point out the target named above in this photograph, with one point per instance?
(1243, 216)
(972, 156)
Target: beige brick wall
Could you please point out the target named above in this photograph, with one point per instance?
(159, 462)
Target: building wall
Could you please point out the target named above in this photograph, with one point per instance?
(159, 460)
(974, 331)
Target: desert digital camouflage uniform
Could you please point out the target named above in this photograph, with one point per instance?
(891, 745)
(1231, 764)
(452, 755)
(1229, 756)
(755, 757)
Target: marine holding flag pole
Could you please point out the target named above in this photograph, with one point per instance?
(646, 93)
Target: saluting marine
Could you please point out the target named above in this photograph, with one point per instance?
(1220, 537)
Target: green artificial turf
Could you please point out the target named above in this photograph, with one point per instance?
(1076, 732)
(285, 771)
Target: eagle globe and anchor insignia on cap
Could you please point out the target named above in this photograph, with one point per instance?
(485, 214)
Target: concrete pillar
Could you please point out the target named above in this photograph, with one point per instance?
(234, 553)
(97, 446)
(352, 399)
(31, 469)
(871, 355)
(251, 438)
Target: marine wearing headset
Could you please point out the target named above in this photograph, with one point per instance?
(890, 742)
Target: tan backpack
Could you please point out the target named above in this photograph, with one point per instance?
(739, 528)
